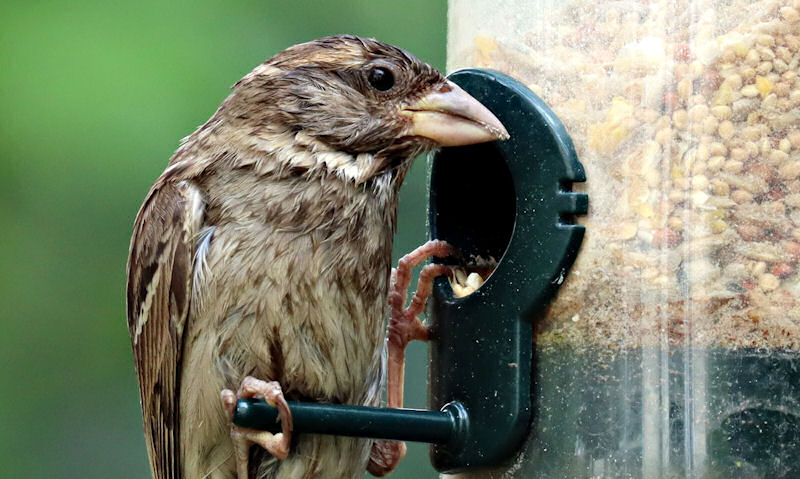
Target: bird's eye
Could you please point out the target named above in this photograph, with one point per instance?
(381, 78)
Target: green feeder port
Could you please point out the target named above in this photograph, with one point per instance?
(523, 216)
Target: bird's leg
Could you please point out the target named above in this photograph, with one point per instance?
(243, 438)
(404, 327)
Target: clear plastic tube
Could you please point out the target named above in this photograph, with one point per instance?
(671, 350)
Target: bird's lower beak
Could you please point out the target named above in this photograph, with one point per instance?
(451, 117)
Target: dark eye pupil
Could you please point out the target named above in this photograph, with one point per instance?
(381, 78)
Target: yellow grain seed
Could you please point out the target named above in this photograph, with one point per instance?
(720, 188)
(699, 182)
(752, 58)
(763, 85)
(794, 97)
(734, 81)
(718, 226)
(727, 56)
(717, 149)
(485, 46)
(627, 231)
(764, 146)
(790, 14)
(698, 168)
(764, 67)
(751, 148)
(715, 163)
(698, 113)
(794, 138)
(645, 210)
(702, 152)
(741, 196)
(750, 91)
(768, 282)
(679, 119)
(777, 157)
(732, 166)
(724, 95)
(684, 88)
(721, 112)
(751, 133)
(738, 154)
(675, 223)
(784, 54)
(710, 125)
(747, 73)
(770, 102)
(758, 268)
(766, 40)
(790, 170)
(663, 136)
(662, 122)
(725, 129)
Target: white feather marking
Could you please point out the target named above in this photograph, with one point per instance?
(201, 254)
(148, 299)
(299, 150)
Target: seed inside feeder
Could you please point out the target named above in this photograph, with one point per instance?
(467, 279)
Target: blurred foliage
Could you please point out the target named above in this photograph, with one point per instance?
(94, 97)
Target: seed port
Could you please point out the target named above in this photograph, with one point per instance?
(473, 203)
(510, 201)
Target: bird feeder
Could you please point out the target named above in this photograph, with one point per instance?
(671, 349)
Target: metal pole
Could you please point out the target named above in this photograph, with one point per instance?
(439, 427)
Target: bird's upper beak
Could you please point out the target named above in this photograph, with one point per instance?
(451, 117)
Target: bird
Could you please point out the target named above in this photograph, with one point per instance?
(260, 259)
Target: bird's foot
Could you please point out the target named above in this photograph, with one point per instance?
(243, 438)
(401, 278)
(384, 457)
(404, 327)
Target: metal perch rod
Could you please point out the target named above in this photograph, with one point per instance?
(358, 421)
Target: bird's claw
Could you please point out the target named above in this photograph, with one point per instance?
(276, 444)
(404, 327)
(384, 457)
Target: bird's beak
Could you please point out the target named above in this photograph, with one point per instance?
(451, 117)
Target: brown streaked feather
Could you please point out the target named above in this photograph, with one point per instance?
(159, 289)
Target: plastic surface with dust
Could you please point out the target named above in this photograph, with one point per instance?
(507, 202)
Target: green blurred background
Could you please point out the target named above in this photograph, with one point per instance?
(94, 97)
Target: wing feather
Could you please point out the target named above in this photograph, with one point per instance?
(159, 291)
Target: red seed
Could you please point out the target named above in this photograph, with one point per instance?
(749, 284)
(792, 249)
(672, 101)
(750, 232)
(666, 237)
(775, 193)
(683, 53)
(782, 270)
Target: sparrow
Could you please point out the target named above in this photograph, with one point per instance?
(260, 259)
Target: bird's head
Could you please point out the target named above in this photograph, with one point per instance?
(356, 107)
